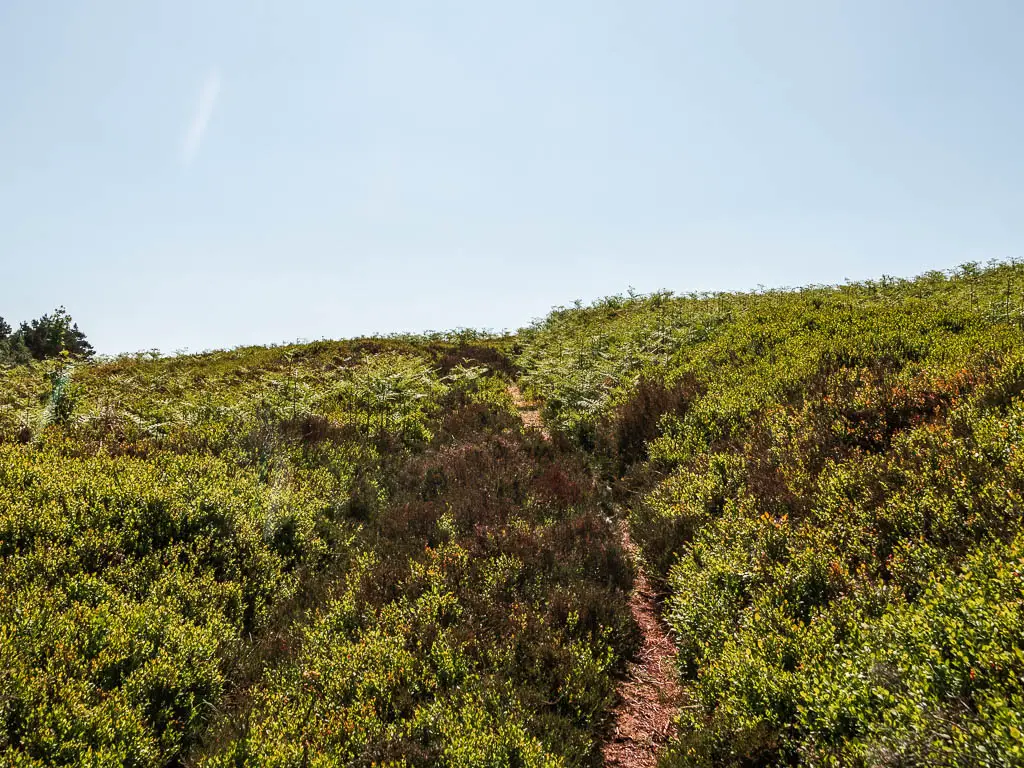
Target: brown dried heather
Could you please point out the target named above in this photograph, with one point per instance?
(650, 696)
(624, 435)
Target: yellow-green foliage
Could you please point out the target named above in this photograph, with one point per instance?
(833, 506)
(273, 555)
(154, 514)
(481, 625)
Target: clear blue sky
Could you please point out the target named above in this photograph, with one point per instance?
(207, 173)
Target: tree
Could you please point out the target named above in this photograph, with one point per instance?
(12, 349)
(52, 334)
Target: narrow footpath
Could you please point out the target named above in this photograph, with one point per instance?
(649, 696)
(529, 412)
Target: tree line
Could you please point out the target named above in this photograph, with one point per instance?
(48, 336)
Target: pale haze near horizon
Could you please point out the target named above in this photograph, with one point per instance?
(207, 174)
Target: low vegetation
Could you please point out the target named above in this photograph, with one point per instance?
(336, 552)
(352, 553)
(827, 485)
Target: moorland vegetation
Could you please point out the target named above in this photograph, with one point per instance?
(827, 485)
(353, 553)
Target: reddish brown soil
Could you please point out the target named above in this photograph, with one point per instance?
(529, 412)
(650, 695)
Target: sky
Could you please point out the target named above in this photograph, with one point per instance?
(198, 174)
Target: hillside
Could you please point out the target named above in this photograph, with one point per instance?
(339, 553)
(357, 553)
(826, 483)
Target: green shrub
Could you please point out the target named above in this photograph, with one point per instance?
(833, 510)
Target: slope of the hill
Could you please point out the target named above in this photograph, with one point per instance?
(827, 486)
(336, 553)
(353, 553)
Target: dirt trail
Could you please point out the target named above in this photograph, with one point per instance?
(529, 412)
(650, 695)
